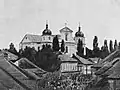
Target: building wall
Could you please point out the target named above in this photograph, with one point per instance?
(35, 45)
(81, 38)
(69, 36)
(88, 69)
(47, 38)
(66, 67)
(72, 48)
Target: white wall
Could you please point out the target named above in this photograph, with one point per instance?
(47, 38)
(68, 67)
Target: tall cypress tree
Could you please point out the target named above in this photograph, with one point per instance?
(96, 51)
(55, 43)
(95, 42)
(119, 45)
(115, 45)
(80, 49)
(111, 46)
(62, 46)
(105, 49)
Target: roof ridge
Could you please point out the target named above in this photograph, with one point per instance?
(33, 34)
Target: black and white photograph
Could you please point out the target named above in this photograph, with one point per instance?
(59, 44)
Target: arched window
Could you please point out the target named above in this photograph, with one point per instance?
(43, 38)
(49, 38)
(66, 36)
(66, 49)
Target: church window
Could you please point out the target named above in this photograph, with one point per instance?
(66, 35)
(43, 38)
(66, 49)
(49, 38)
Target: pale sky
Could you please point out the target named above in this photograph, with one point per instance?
(97, 17)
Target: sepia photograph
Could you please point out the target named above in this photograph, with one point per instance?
(60, 45)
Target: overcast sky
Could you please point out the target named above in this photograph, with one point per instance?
(97, 17)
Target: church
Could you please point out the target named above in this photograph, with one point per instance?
(47, 36)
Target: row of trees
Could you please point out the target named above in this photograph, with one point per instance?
(96, 51)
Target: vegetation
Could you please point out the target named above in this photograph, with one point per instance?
(96, 50)
(115, 45)
(111, 46)
(44, 58)
(55, 43)
(12, 49)
(80, 49)
(62, 46)
(47, 59)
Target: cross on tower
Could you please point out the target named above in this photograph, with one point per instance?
(79, 28)
(46, 21)
(79, 24)
(65, 24)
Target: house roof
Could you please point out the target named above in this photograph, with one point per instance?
(114, 76)
(67, 58)
(11, 56)
(110, 57)
(83, 60)
(32, 38)
(95, 59)
(28, 61)
(102, 70)
(110, 67)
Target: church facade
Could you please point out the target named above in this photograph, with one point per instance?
(37, 41)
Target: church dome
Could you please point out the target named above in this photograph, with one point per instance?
(47, 31)
(79, 33)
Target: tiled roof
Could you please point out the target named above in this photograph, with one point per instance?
(11, 56)
(95, 59)
(66, 58)
(32, 38)
(83, 60)
(110, 57)
(66, 29)
(102, 70)
(114, 76)
(28, 61)
(110, 67)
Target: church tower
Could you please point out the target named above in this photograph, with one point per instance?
(79, 35)
(66, 35)
(46, 37)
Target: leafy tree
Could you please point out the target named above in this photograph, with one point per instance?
(47, 59)
(12, 49)
(89, 53)
(38, 49)
(111, 46)
(55, 44)
(30, 54)
(62, 46)
(115, 45)
(80, 49)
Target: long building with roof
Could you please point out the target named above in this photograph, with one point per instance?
(47, 36)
